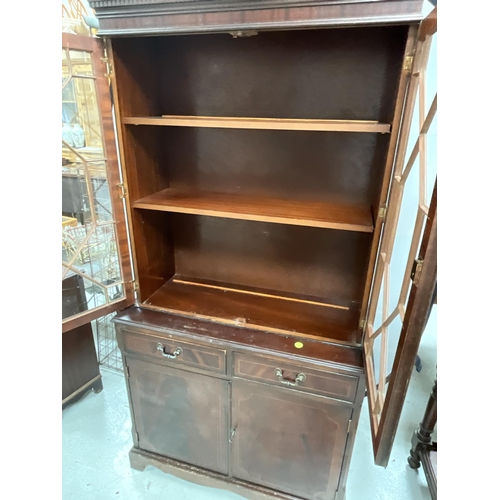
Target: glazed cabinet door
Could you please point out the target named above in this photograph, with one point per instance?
(96, 266)
(405, 277)
(180, 415)
(288, 441)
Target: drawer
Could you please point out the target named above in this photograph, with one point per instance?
(176, 352)
(284, 373)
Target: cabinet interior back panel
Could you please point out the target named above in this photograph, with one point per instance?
(310, 166)
(308, 261)
(345, 74)
(333, 73)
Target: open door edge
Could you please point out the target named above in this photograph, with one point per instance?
(419, 303)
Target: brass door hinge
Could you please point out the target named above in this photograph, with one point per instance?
(362, 324)
(416, 271)
(133, 284)
(382, 212)
(123, 190)
(408, 63)
(109, 69)
(127, 371)
(349, 426)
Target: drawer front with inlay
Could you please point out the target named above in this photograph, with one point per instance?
(286, 374)
(176, 352)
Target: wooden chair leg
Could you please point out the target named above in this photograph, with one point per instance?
(422, 436)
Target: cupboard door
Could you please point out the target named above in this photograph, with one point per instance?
(289, 441)
(180, 415)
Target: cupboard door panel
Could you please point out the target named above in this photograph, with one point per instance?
(291, 442)
(181, 415)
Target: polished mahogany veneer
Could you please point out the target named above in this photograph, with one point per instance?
(257, 147)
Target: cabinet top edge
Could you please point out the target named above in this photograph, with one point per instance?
(206, 331)
(152, 17)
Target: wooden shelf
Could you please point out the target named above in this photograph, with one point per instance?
(256, 308)
(235, 206)
(261, 123)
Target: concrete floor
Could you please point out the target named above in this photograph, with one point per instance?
(97, 437)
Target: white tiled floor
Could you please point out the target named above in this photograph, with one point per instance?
(97, 438)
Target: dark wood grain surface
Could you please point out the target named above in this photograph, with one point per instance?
(423, 448)
(79, 363)
(140, 459)
(180, 414)
(234, 206)
(115, 8)
(263, 369)
(265, 313)
(154, 250)
(134, 59)
(287, 441)
(347, 74)
(268, 14)
(345, 168)
(322, 263)
(190, 355)
(146, 172)
(164, 325)
(266, 410)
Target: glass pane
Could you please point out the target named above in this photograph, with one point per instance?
(93, 251)
(100, 192)
(431, 157)
(393, 332)
(376, 357)
(414, 131)
(69, 110)
(116, 291)
(431, 75)
(108, 351)
(86, 125)
(81, 63)
(65, 67)
(79, 294)
(404, 235)
(74, 300)
(85, 191)
(75, 194)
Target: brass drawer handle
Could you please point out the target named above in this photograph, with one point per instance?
(161, 347)
(291, 383)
